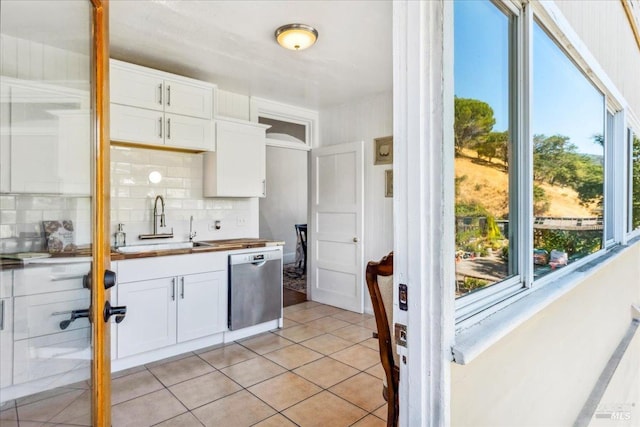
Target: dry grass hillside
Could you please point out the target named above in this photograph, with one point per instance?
(487, 184)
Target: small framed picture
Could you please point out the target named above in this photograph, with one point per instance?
(384, 150)
(388, 183)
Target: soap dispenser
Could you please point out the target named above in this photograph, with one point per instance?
(121, 236)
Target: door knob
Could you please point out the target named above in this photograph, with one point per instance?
(120, 312)
(75, 314)
(86, 280)
(356, 240)
(109, 279)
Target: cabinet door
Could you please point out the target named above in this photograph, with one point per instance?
(202, 305)
(136, 88)
(5, 141)
(237, 167)
(6, 342)
(131, 124)
(188, 99)
(48, 138)
(151, 315)
(188, 132)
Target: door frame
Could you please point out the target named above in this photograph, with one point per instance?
(101, 251)
(423, 206)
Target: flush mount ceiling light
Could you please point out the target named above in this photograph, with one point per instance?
(296, 36)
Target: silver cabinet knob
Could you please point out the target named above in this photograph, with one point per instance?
(356, 240)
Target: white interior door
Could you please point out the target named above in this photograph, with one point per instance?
(336, 230)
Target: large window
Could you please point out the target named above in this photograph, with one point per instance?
(535, 187)
(484, 140)
(568, 159)
(634, 180)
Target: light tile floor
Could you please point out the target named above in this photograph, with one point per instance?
(321, 369)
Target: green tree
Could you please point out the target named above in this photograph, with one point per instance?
(540, 201)
(635, 182)
(494, 145)
(473, 122)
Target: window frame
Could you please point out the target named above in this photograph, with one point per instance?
(470, 305)
(629, 131)
(472, 308)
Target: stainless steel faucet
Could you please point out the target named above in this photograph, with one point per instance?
(192, 233)
(155, 234)
(155, 214)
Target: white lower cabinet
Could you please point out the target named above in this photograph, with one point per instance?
(150, 322)
(43, 345)
(202, 305)
(6, 342)
(163, 311)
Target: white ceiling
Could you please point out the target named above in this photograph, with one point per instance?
(231, 43)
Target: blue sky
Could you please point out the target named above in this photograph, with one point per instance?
(564, 101)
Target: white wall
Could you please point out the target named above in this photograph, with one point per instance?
(132, 197)
(286, 201)
(613, 44)
(542, 373)
(364, 120)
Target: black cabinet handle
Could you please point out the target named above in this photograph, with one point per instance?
(109, 279)
(120, 312)
(75, 314)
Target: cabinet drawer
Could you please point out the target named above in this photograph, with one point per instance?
(50, 355)
(41, 314)
(51, 278)
(134, 270)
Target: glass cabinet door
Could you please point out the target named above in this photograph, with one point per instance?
(48, 147)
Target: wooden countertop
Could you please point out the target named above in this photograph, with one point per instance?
(220, 245)
(13, 261)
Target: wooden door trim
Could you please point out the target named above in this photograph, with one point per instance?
(101, 363)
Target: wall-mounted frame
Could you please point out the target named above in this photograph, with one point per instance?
(388, 183)
(383, 154)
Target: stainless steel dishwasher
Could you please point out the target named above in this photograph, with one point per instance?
(255, 288)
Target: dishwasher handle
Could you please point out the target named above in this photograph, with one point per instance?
(259, 263)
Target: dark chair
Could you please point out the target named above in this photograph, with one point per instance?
(301, 232)
(380, 283)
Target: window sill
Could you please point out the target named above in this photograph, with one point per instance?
(478, 337)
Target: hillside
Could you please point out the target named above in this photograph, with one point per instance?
(486, 184)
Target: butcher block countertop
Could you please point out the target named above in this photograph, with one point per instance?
(220, 245)
(21, 260)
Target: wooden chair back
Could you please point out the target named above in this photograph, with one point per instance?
(384, 268)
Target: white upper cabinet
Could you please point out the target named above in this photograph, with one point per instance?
(156, 108)
(45, 139)
(238, 166)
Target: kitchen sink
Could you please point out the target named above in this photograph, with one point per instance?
(136, 249)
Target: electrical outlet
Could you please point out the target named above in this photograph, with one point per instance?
(241, 221)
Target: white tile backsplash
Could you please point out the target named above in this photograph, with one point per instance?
(21, 219)
(132, 197)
